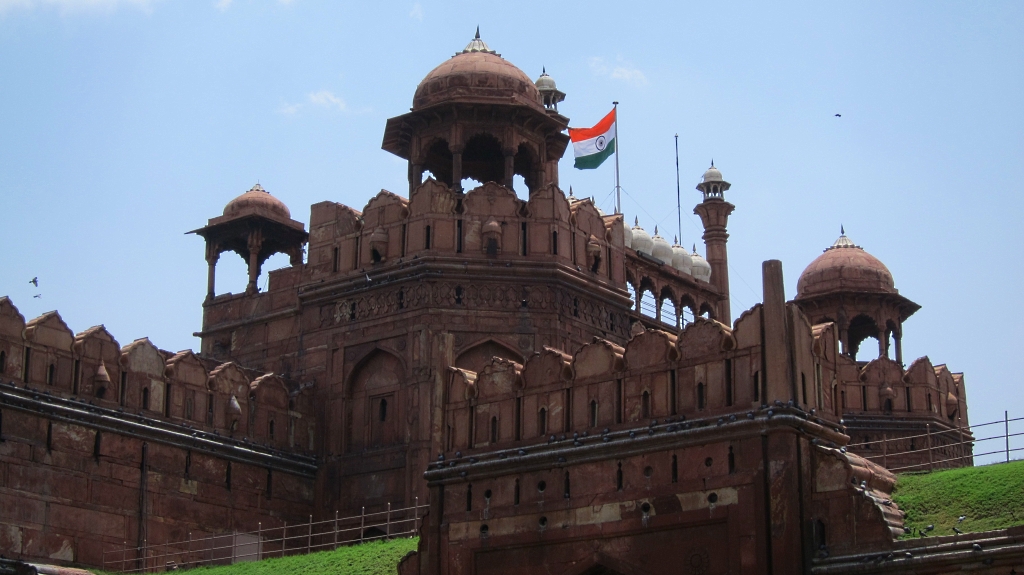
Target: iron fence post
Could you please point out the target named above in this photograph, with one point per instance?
(928, 429)
(1006, 430)
(387, 528)
(416, 516)
(335, 529)
(309, 536)
(362, 523)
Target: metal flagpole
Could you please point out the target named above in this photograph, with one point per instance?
(618, 188)
(679, 209)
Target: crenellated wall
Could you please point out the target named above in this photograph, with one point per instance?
(104, 446)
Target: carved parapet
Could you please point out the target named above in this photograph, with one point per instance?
(839, 471)
(705, 337)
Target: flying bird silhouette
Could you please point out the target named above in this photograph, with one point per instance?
(34, 281)
(839, 115)
(38, 296)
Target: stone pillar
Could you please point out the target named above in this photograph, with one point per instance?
(212, 255)
(714, 215)
(457, 168)
(778, 377)
(899, 347)
(510, 167)
(255, 244)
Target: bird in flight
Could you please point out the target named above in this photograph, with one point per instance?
(38, 296)
(839, 115)
(34, 281)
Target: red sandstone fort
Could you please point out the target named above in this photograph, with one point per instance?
(491, 358)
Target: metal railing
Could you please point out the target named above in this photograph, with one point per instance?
(264, 543)
(937, 441)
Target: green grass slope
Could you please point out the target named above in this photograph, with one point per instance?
(375, 558)
(992, 497)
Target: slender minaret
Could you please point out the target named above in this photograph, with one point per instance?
(714, 214)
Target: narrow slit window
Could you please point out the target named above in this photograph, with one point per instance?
(96, 445)
(700, 396)
(458, 236)
(593, 413)
(469, 497)
(145, 398)
(728, 382)
(542, 422)
(522, 243)
(403, 239)
(554, 242)
(494, 430)
(382, 414)
(909, 405)
(672, 391)
(426, 239)
(515, 493)
(167, 400)
(26, 365)
(124, 388)
(618, 478)
(335, 260)
(51, 373)
(675, 469)
(76, 375)
(645, 405)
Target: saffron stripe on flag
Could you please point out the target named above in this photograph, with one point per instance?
(579, 134)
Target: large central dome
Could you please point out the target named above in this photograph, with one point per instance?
(845, 267)
(477, 74)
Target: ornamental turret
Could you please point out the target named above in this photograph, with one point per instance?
(714, 214)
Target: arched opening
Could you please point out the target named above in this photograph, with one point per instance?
(706, 311)
(542, 422)
(645, 405)
(648, 306)
(51, 374)
(593, 413)
(3, 362)
(668, 311)
(145, 398)
(483, 159)
(525, 166)
(861, 327)
(438, 161)
(632, 296)
(382, 410)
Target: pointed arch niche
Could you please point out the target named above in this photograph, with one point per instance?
(372, 406)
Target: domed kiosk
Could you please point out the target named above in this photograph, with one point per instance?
(479, 116)
(255, 225)
(854, 289)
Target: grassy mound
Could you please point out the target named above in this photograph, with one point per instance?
(375, 558)
(992, 497)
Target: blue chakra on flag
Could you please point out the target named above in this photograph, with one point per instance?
(600, 142)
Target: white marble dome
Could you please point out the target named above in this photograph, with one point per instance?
(662, 249)
(627, 235)
(701, 269)
(642, 241)
(681, 259)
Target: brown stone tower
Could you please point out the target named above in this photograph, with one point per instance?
(714, 214)
(479, 116)
(852, 288)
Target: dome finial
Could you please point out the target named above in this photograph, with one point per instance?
(694, 248)
(477, 31)
(712, 162)
(636, 221)
(655, 229)
(842, 231)
(543, 70)
(675, 240)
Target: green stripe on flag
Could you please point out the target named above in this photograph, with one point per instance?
(594, 160)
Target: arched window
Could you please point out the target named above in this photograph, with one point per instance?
(383, 410)
(145, 398)
(494, 430)
(700, 396)
(593, 413)
(645, 405)
(542, 422)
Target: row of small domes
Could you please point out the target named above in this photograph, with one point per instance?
(674, 255)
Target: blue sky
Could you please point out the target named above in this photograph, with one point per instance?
(125, 123)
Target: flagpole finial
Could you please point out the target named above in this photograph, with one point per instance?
(478, 32)
(615, 103)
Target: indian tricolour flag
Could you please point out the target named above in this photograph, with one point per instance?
(593, 145)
